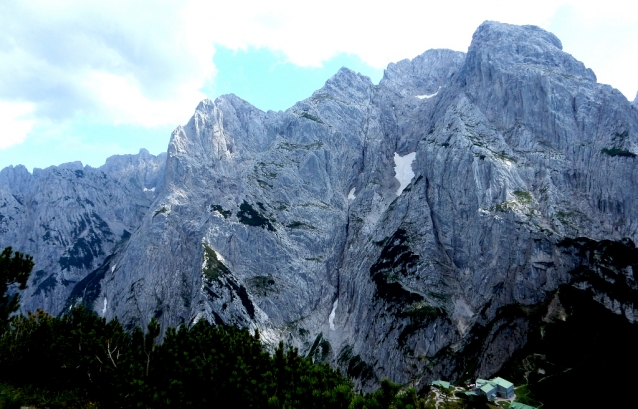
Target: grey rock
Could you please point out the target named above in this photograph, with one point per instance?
(425, 74)
(143, 170)
(71, 217)
(295, 222)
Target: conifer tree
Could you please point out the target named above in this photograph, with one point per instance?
(15, 268)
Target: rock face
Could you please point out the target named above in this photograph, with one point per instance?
(386, 229)
(70, 218)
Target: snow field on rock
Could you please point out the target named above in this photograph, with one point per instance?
(403, 170)
(331, 318)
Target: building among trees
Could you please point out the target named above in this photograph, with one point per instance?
(497, 386)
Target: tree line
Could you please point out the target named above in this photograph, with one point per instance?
(80, 360)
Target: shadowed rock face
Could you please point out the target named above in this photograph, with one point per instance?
(290, 222)
(70, 218)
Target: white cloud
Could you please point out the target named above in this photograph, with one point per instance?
(611, 11)
(15, 123)
(382, 32)
(121, 99)
(376, 31)
(116, 61)
(145, 62)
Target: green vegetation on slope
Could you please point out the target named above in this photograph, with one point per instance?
(579, 342)
(591, 346)
(82, 361)
(618, 152)
(213, 268)
(15, 268)
(221, 211)
(251, 217)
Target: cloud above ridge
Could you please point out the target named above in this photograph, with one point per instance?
(145, 63)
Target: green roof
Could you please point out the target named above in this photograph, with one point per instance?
(479, 380)
(518, 405)
(502, 382)
(441, 383)
(487, 388)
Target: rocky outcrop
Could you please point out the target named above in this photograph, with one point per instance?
(297, 223)
(143, 171)
(71, 217)
(392, 229)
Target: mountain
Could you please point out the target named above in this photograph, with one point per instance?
(71, 218)
(405, 230)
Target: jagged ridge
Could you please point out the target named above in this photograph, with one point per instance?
(291, 223)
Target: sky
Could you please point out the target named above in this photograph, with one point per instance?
(86, 80)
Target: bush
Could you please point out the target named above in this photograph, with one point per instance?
(81, 358)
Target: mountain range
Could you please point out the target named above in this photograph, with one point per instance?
(401, 230)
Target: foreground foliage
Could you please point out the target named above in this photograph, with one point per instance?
(15, 268)
(82, 361)
(589, 345)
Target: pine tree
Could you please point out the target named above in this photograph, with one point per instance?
(15, 268)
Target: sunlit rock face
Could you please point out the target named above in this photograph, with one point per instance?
(384, 228)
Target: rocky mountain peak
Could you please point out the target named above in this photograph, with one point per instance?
(210, 132)
(507, 47)
(144, 170)
(73, 166)
(424, 75)
(494, 32)
(393, 231)
(347, 85)
(15, 176)
(71, 217)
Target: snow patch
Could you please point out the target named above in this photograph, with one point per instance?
(331, 318)
(351, 195)
(428, 96)
(149, 190)
(403, 170)
(104, 308)
(113, 269)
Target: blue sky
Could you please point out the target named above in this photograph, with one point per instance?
(86, 80)
(267, 80)
(260, 76)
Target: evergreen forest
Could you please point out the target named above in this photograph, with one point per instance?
(80, 360)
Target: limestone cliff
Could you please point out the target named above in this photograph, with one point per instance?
(71, 218)
(388, 229)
